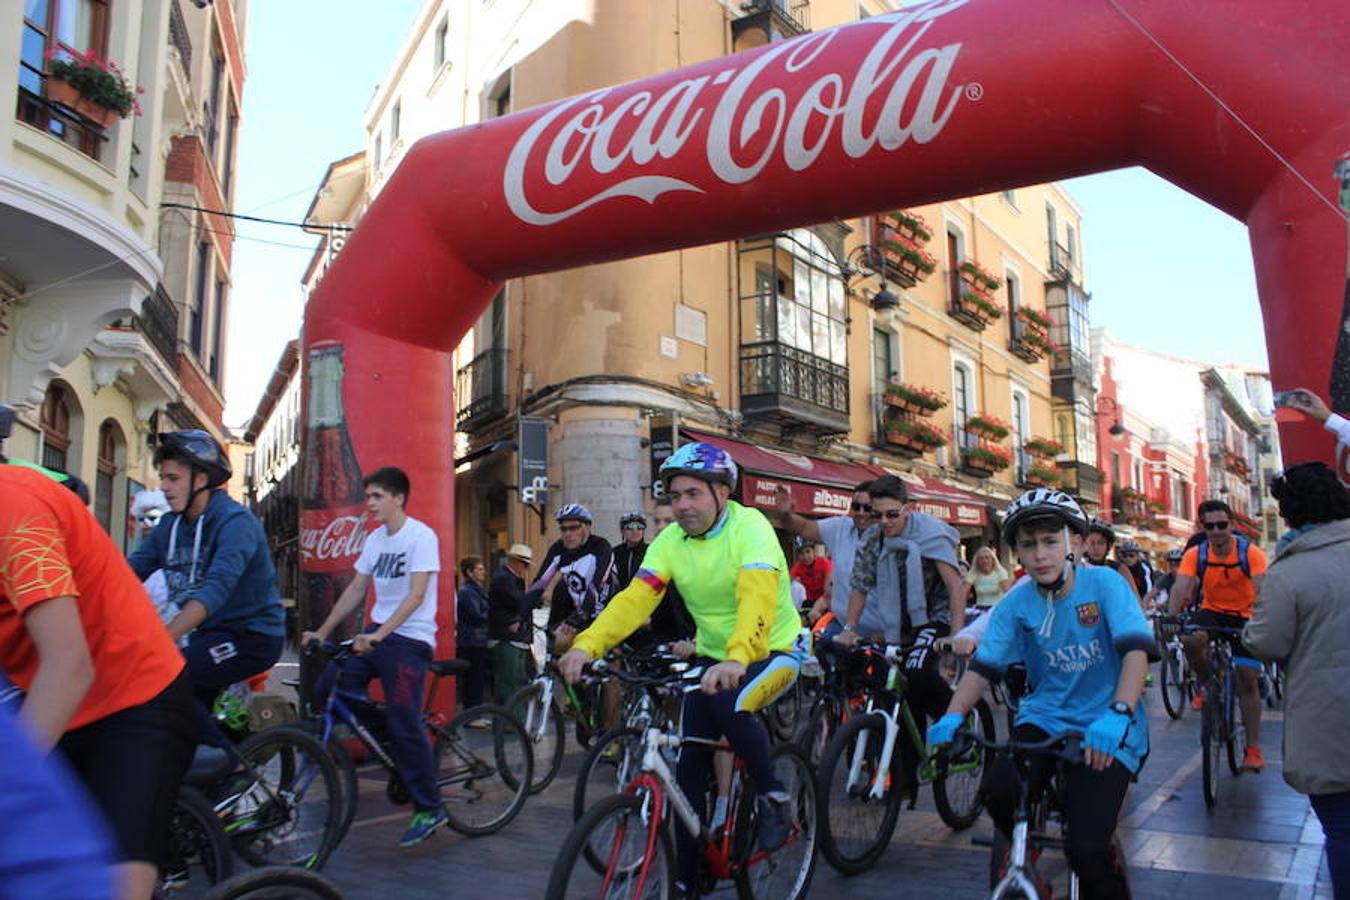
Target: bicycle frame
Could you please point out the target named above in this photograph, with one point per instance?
(334, 706)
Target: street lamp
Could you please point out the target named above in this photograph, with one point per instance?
(861, 262)
(1108, 407)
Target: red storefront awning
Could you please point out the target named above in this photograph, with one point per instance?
(820, 487)
(950, 504)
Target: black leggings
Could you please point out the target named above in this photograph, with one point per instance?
(929, 694)
(1092, 802)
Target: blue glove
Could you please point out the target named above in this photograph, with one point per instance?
(1107, 734)
(943, 730)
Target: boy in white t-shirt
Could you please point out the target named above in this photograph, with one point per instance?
(402, 558)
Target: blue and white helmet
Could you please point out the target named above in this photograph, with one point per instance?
(703, 461)
(574, 512)
(1043, 503)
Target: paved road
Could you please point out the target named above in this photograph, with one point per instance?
(1262, 841)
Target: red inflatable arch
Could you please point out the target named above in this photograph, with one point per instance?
(1244, 103)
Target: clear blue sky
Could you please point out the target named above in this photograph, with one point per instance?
(1166, 271)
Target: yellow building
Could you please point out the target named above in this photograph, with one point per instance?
(782, 346)
(112, 299)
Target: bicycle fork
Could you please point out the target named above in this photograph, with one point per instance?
(878, 788)
(1016, 876)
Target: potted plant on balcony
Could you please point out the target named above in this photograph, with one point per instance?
(92, 86)
(904, 222)
(987, 426)
(1043, 448)
(918, 437)
(914, 398)
(973, 274)
(1041, 476)
(978, 309)
(906, 259)
(984, 461)
(1034, 319)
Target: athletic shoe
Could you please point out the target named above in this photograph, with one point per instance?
(1198, 700)
(424, 824)
(773, 825)
(1251, 760)
(1148, 680)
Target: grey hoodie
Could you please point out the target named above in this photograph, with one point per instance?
(1302, 617)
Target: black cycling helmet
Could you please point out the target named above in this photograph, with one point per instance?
(196, 449)
(1175, 555)
(632, 518)
(1102, 527)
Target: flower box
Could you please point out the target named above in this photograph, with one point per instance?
(984, 461)
(91, 86)
(973, 274)
(1130, 494)
(1035, 319)
(914, 398)
(906, 223)
(1041, 477)
(1043, 448)
(988, 426)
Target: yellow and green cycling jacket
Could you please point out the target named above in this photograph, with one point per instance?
(734, 581)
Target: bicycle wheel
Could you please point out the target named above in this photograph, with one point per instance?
(484, 766)
(198, 851)
(855, 827)
(785, 713)
(783, 873)
(276, 883)
(544, 728)
(1211, 745)
(638, 865)
(286, 809)
(346, 768)
(1236, 733)
(956, 793)
(607, 769)
(1172, 682)
(821, 726)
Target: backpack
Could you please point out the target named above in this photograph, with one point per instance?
(1202, 562)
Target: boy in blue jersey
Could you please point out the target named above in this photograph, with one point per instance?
(1085, 642)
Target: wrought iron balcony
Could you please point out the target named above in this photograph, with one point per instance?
(1082, 480)
(766, 21)
(178, 35)
(158, 321)
(1063, 266)
(480, 390)
(793, 388)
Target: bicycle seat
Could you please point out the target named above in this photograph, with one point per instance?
(442, 667)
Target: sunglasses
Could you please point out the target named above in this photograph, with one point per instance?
(569, 528)
(861, 507)
(891, 514)
(634, 526)
(1216, 526)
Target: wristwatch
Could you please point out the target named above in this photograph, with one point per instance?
(1120, 706)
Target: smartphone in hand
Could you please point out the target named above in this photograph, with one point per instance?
(1292, 399)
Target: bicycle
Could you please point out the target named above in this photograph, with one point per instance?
(198, 851)
(862, 774)
(1039, 802)
(630, 832)
(276, 883)
(1220, 725)
(1176, 681)
(836, 699)
(539, 706)
(482, 755)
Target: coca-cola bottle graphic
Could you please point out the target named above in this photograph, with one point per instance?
(332, 506)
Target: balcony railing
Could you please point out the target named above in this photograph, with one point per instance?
(178, 35)
(1063, 266)
(158, 321)
(793, 388)
(795, 13)
(480, 390)
(61, 124)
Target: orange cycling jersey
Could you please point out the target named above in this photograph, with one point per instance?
(1226, 588)
(51, 546)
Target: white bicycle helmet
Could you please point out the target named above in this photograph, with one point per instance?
(1043, 503)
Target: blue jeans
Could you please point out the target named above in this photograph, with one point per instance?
(401, 665)
(1333, 810)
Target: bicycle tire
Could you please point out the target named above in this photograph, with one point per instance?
(346, 767)
(197, 839)
(821, 727)
(784, 714)
(960, 816)
(302, 797)
(1172, 678)
(276, 883)
(1210, 747)
(583, 795)
(1235, 742)
(756, 879)
(489, 769)
(848, 849)
(547, 733)
(570, 879)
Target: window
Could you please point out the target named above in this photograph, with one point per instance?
(961, 403)
(211, 106)
(954, 257)
(1052, 234)
(1115, 471)
(1181, 492)
(1021, 428)
(1139, 475)
(502, 104)
(883, 364)
(55, 421)
(196, 338)
(1014, 288)
(395, 121)
(379, 151)
(1070, 242)
(217, 318)
(227, 154)
(65, 27)
(439, 42)
(1010, 197)
(109, 439)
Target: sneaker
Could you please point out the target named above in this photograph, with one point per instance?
(1198, 699)
(1251, 760)
(479, 724)
(424, 824)
(773, 826)
(1148, 680)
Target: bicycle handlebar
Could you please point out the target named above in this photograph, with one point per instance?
(1186, 625)
(1067, 746)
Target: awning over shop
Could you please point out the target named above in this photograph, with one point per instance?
(820, 487)
(948, 503)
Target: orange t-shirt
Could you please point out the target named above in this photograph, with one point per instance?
(52, 546)
(1226, 589)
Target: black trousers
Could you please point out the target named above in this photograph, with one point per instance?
(1092, 802)
(472, 683)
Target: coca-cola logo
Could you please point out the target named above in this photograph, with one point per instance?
(325, 541)
(643, 129)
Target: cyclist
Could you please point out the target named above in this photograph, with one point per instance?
(1131, 557)
(1226, 571)
(1085, 642)
(628, 555)
(1101, 537)
(402, 557)
(581, 561)
(670, 623)
(840, 535)
(732, 573)
(1163, 584)
(103, 680)
(217, 566)
(816, 573)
